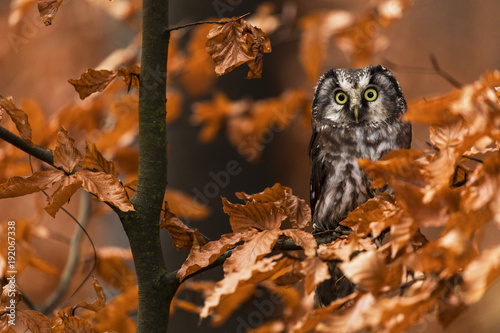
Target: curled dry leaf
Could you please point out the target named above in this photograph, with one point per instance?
(258, 215)
(184, 237)
(130, 75)
(185, 206)
(39, 181)
(210, 252)
(316, 271)
(66, 156)
(112, 267)
(94, 161)
(93, 81)
(235, 43)
(34, 321)
(48, 10)
(19, 117)
(99, 303)
(106, 187)
(69, 185)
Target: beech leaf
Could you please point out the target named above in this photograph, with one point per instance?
(106, 187)
(182, 235)
(19, 186)
(99, 303)
(93, 81)
(93, 160)
(316, 271)
(112, 267)
(62, 194)
(19, 117)
(130, 75)
(66, 156)
(235, 43)
(48, 10)
(210, 252)
(262, 216)
(184, 206)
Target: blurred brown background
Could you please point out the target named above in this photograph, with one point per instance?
(36, 61)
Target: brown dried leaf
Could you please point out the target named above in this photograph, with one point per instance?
(235, 43)
(198, 73)
(34, 321)
(185, 206)
(252, 250)
(316, 271)
(262, 216)
(106, 187)
(116, 314)
(130, 75)
(48, 10)
(66, 156)
(93, 160)
(182, 235)
(19, 117)
(112, 267)
(303, 239)
(479, 274)
(99, 303)
(93, 81)
(210, 252)
(317, 28)
(232, 281)
(64, 192)
(18, 186)
(230, 302)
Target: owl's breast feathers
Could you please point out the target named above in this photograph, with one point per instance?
(338, 185)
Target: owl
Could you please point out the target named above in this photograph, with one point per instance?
(356, 113)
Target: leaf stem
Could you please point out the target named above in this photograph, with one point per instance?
(206, 22)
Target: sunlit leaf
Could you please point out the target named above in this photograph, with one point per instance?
(184, 206)
(112, 267)
(316, 271)
(130, 75)
(93, 81)
(19, 117)
(48, 9)
(182, 235)
(34, 321)
(479, 274)
(258, 215)
(62, 194)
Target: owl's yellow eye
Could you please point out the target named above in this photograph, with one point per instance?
(371, 94)
(341, 97)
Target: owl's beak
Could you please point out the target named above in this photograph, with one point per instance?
(356, 112)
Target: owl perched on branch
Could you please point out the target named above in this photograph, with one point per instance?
(356, 113)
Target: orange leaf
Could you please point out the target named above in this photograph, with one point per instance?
(19, 117)
(64, 192)
(235, 43)
(210, 252)
(262, 216)
(316, 271)
(48, 10)
(130, 75)
(479, 274)
(18, 10)
(34, 321)
(106, 187)
(112, 267)
(66, 156)
(93, 81)
(93, 160)
(182, 235)
(303, 239)
(99, 303)
(185, 206)
(253, 249)
(18, 186)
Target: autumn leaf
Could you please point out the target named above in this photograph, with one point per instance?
(211, 251)
(94, 161)
(316, 30)
(34, 321)
(48, 10)
(112, 267)
(18, 10)
(99, 303)
(184, 206)
(69, 185)
(261, 216)
(106, 187)
(303, 239)
(19, 117)
(93, 81)
(66, 156)
(235, 43)
(183, 236)
(39, 181)
(130, 75)
(316, 271)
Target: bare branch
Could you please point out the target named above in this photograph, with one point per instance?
(206, 22)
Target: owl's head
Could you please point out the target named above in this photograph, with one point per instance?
(367, 96)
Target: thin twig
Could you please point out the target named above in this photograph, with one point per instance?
(206, 22)
(445, 75)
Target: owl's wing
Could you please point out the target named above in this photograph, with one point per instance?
(317, 172)
(404, 136)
